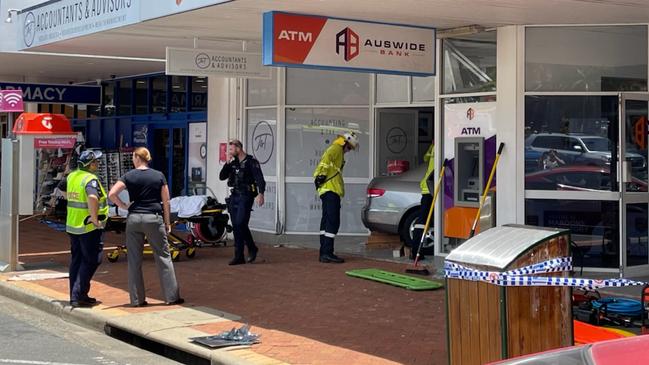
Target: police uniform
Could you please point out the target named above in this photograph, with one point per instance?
(426, 201)
(86, 240)
(246, 181)
(330, 191)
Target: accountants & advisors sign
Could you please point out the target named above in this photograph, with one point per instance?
(297, 40)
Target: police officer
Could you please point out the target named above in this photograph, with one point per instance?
(426, 202)
(87, 213)
(246, 181)
(331, 188)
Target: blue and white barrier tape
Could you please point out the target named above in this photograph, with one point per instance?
(522, 276)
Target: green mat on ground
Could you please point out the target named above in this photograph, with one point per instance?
(400, 280)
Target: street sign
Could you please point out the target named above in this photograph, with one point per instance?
(297, 40)
(212, 62)
(11, 101)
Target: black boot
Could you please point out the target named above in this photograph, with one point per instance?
(237, 261)
(331, 259)
(252, 255)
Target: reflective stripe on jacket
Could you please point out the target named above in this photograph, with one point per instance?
(78, 202)
(331, 166)
(429, 157)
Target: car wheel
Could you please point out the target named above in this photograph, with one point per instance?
(407, 233)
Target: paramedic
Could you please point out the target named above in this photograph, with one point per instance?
(87, 213)
(148, 216)
(331, 188)
(426, 202)
(247, 184)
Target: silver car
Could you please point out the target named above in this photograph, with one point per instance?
(392, 206)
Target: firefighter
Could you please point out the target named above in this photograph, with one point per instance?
(426, 202)
(331, 188)
(87, 213)
(247, 184)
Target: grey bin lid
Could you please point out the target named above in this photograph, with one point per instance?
(500, 246)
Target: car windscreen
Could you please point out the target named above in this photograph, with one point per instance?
(597, 144)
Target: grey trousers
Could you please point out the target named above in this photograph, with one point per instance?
(151, 226)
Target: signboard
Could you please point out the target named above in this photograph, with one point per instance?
(56, 94)
(468, 120)
(54, 143)
(296, 40)
(158, 8)
(209, 62)
(54, 21)
(11, 101)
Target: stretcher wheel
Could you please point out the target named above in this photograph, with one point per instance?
(175, 255)
(113, 256)
(191, 252)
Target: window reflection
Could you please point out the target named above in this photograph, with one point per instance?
(569, 143)
(593, 225)
(470, 63)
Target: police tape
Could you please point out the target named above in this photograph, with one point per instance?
(524, 276)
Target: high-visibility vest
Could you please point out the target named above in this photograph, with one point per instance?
(78, 202)
(429, 157)
(331, 166)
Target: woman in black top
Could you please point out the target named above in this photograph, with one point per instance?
(148, 216)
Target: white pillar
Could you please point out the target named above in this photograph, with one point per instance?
(510, 200)
(222, 123)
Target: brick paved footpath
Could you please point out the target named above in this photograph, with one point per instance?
(307, 312)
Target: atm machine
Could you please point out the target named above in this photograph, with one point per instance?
(469, 169)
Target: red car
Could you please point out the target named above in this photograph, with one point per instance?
(630, 350)
(577, 178)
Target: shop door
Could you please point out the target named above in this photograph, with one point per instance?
(397, 138)
(634, 202)
(169, 149)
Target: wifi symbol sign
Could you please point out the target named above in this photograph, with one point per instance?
(11, 101)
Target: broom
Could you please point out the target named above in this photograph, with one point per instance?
(422, 270)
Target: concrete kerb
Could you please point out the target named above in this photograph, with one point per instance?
(96, 321)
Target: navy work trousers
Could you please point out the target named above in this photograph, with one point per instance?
(426, 202)
(240, 207)
(87, 252)
(330, 222)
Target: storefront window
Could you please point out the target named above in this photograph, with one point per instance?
(108, 99)
(178, 94)
(311, 131)
(125, 92)
(262, 92)
(159, 94)
(423, 89)
(391, 89)
(594, 226)
(199, 94)
(141, 96)
(469, 63)
(569, 143)
(602, 58)
(262, 138)
(320, 87)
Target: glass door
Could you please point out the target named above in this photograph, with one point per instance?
(632, 175)
(169, 149)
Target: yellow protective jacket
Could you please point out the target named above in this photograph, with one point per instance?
(78, 203)
(430, 158)
(331, 165)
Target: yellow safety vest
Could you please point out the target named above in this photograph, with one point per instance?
(331, 166)
(78, 202)
(430, 158)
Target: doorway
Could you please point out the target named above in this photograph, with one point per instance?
(169, 148)
(634, 200)
(403, 136)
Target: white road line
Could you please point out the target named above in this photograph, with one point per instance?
(30, 362)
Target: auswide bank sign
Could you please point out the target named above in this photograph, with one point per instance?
(53, 21)
(298, 40)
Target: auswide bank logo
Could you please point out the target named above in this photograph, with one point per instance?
(470, 114)
(347, 42)
(29, 29)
